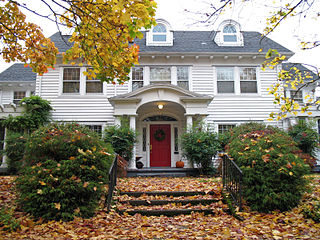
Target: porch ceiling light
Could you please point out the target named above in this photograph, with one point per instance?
(160, 106)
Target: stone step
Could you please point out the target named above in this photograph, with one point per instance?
(164, 202)
(174, 194)
(166, 212)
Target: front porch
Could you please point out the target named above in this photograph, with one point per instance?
(160, 113)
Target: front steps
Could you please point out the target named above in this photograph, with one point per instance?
(162, 172)
(168, 203)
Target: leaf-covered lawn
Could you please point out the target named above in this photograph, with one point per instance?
(287, 225)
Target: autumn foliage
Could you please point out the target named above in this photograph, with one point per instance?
(102, 32)
(273, 173)
(67, 167)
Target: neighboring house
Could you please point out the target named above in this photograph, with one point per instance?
(183, 77)
(16, 82)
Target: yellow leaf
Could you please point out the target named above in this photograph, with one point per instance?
(57, 206)
(42, 183)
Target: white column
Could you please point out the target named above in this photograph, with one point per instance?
(4, 158)
(132, 163)
(174, 78)
(189, 122)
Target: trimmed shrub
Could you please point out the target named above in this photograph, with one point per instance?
(122, 139)
(199, 146)
(67, 168)
(273, 173)
(14, 150)
(305, 136)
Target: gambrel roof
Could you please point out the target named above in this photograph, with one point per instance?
(195, 42)
(18, 73)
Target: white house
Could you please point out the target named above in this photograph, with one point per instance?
(16, 82)
(183, 76)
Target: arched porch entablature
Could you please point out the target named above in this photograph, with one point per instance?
(192, 103)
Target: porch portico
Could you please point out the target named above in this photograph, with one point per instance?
(160, 113)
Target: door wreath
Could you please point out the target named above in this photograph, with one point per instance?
(159, 135)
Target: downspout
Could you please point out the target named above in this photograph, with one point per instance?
(40, 86)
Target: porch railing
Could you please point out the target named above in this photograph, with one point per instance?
(112, 181)
(232, 179)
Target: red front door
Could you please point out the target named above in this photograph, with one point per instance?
(160, 145)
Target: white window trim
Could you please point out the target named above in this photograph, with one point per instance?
(219, 40)
(82, 87)
(169, 35)
(237, 90)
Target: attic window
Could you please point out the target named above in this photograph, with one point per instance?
(159, 33)
(229, 34)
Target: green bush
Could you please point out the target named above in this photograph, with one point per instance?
(122, 139)
(273, 173)
(14, 150)
(305, 136)
(199, 146)
(7, 221)
(312, 210)
(67, 168)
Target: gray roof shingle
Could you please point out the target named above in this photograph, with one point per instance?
(195, 42)
(18, 73)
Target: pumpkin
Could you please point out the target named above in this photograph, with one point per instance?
(179, 164)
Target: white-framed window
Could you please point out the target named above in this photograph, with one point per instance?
(229, 33)
(248, 80)
(222, 128)
(296, 96)
(95, 128)
(225, 79)
(237, 80)
(160, 75)
(159, 33)
(94, 85)
(71, 80)
(18, 96)
(183, 77)
(137, 78)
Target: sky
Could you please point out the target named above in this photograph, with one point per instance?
(185, 15)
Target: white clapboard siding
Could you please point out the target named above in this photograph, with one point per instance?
(202, 79)
(245, 107)
(7, 97)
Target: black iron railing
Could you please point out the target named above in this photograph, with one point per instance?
(112, 181)
(232, 179)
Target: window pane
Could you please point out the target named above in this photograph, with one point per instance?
(297, 96)
(18, 96)
(226, 87)
(248, 87)
(183, 84)
(229, 29)
(136, 85)
(222, 128)
(94, 86)
(183, 73)
(71, 87)
(137, 73)
(160, 28)
(159, 38)
(160, 74)
(225, 74)
(71, 74)
(248, 74)
(229, 38)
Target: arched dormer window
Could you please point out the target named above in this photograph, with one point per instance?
(229, 34)
(160, 35)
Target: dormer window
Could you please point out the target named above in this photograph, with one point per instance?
(229, 34)
(160, 35)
